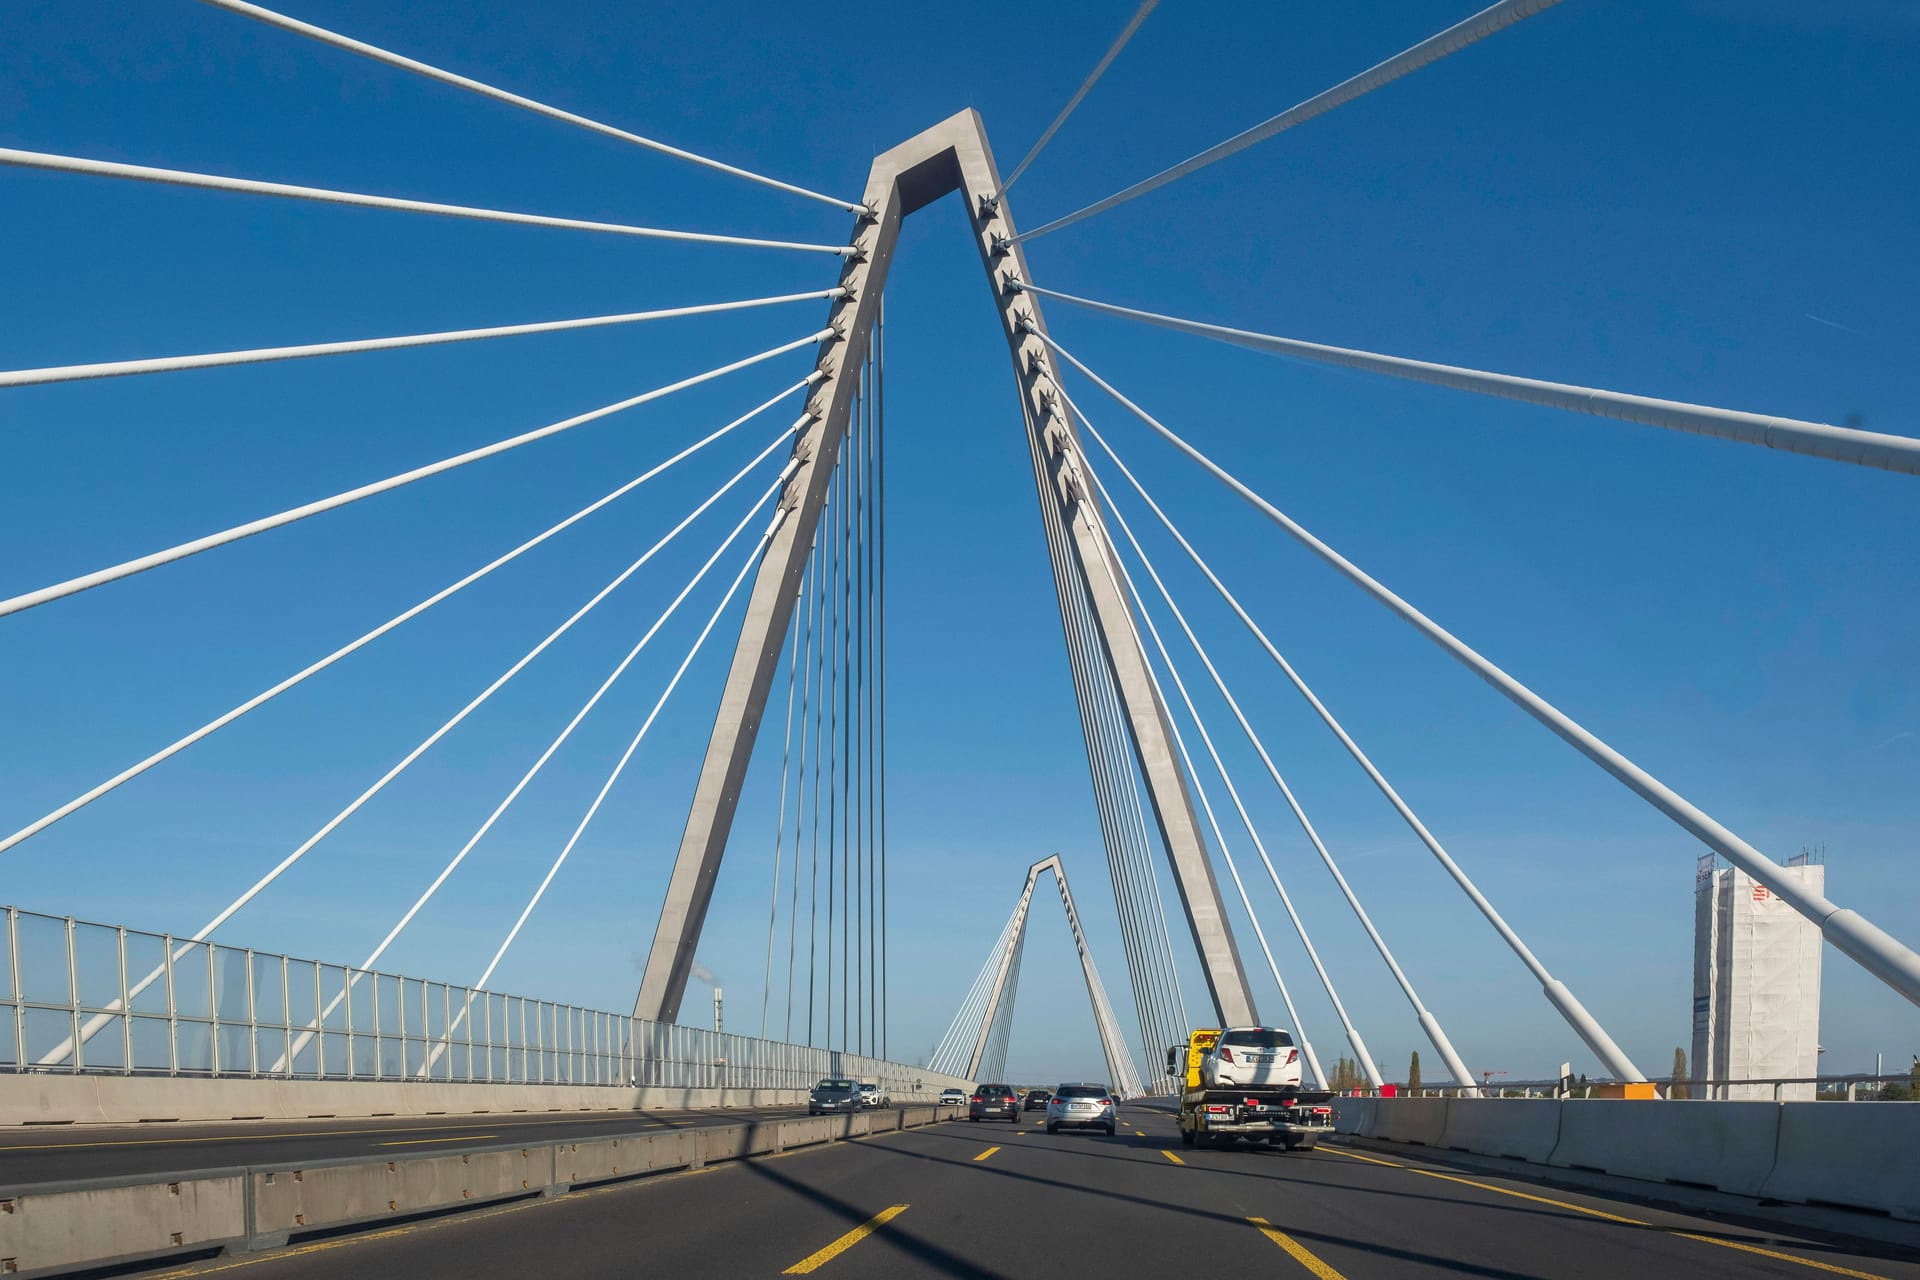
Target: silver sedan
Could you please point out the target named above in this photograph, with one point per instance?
(1082, 1106)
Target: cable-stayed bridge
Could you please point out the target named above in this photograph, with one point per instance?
(773, 552)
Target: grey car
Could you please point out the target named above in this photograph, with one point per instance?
(833, 1096)
(1082, 1106)
(994, 1101)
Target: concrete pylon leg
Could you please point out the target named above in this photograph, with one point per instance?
(951, 156)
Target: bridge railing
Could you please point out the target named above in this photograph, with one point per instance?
(84, 998)
(1834, 1087)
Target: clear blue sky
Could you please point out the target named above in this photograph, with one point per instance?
(1702, 200)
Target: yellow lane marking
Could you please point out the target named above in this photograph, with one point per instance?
(816, 1260)
(420, 1142)
(984, 1154)
(1169, 1155)
(1355, 1155)
(1614, 1217)
(1300, 1253)
(1139, 1133)
(609, 1118)
(1783, 1257)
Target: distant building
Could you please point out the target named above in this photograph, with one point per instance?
(1756, 982)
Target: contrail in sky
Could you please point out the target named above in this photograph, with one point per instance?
(1833, 324)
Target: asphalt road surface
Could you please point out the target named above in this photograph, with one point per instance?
(41, 1155)
(996, 1200)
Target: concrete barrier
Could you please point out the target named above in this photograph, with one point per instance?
(1355, 1116)
(1861, 1155)
(1728, 1146)
(46, 1232)
(286, 1201)
(1417, 1120)
(1518, 1128)
(56, 1228)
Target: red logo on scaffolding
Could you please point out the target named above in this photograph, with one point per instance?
(1762, 894)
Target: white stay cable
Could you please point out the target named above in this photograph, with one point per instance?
(249, 186)
(614, 675)
(786, 772)
(1226, 852)
(753, 558)
(1576, 1014)
(1432, 49)
(375, 52)
(434, 737)
(257, 355)
(1092, 688)
(1428, 1022)
(181, 551)
(1086, 86)
(1790, 435)
(972, 1006)
(560, 739)
(221, 721)
(1233, 791)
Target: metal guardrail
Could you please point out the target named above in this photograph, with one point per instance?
(1847, 1086)
(57, 1227)
(93, 999)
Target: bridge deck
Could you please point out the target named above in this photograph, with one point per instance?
(989, 1200)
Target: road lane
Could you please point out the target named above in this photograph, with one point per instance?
(39, 1155)
(978, 1202)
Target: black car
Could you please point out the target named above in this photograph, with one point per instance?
(1037, 1100)
(994, 1102)
(831, 1097)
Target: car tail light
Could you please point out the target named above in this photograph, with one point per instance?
(1106, 1102)
(1226, 1054)
(976, 1097)
(1219, 1111)
(1323, 1111)
(1293, 1056)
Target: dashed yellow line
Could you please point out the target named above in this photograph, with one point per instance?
(1816, 1265)
(1299, 1252)
(1169, 1155)
(1783, 1257)
(821, 1257)
(984, 1154)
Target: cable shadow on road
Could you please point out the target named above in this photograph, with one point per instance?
(1275, 1175)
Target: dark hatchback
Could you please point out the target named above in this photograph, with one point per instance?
(994, 1102)
(1037, 1100)
(830, 1097)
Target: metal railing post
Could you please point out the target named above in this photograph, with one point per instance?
(126, 1008)
(173, 1006)
(213, 1010)
(73, 999)
(19, 993)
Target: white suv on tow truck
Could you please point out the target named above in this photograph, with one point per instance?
(1252, 1058)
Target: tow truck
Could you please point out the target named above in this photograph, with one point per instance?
(1282, 1115)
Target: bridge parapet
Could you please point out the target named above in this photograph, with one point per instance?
(117, 1025)
(1853, 1155)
